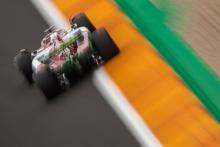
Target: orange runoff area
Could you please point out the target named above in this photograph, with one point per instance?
(155, 91)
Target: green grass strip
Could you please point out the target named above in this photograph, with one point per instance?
(195, 73)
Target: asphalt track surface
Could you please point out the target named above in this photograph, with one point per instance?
(80, 117)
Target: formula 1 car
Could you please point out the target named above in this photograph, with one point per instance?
(66, 55)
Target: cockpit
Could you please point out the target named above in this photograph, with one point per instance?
(52, 36)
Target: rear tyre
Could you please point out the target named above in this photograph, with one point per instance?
(23, 62)
(104, 44)
(83, 21)
(71, 72)
(48, 82)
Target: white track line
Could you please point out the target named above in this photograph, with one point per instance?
(105, 85)
(50, 13)
(124, 109)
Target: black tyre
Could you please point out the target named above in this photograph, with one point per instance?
(71, 72)
(83, 21)
(48, 82)
(23, 62)
(104, 44)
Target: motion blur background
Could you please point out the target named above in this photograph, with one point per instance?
(197, 21)
(83, 116)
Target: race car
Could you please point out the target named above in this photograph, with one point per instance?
(66, 55)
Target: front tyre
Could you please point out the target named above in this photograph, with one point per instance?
(104, 44)
(48, 82)
(23, 62)
(81, 20)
